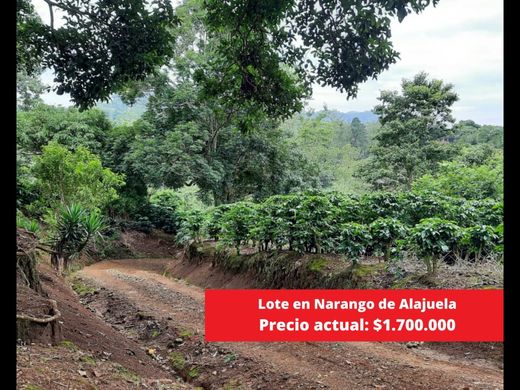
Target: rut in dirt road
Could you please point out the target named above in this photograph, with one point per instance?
(140, 285)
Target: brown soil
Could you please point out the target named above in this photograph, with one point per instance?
(86, 332)
(156, 244)
(166, 316)
(69, 367)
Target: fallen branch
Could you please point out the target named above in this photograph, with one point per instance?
(45, 320)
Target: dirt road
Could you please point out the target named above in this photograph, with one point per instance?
(139, 286)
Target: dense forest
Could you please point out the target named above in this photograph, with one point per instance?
(312, 182)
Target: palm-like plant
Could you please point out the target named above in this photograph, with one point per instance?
(74, 229)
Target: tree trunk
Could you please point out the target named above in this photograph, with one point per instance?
(388, 251)
(435, 265)
(58, 262)
(26, 264)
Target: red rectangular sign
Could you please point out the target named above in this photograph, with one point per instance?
(354, 315)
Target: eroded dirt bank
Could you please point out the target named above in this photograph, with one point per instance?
(142, 299)
(90, 354)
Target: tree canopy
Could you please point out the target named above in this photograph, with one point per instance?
(413, 137)
(270, 52)
(89, 51)
(265, 54)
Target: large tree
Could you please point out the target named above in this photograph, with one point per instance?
(189, 137)
(270, 52)
(97, 46)
(184, 140)
(359, 136)
(413, 137)
(67, 126)
(327, 141)
(64, 177)
(266, 53)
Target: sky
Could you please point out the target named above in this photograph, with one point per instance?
(458, 41)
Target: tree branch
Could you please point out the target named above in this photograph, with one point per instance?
(72, 10)
(51, 12)
(44, 320)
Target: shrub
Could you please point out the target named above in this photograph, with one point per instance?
(379, 205)
(75, 227)
(385, 232)
(489, 212)
(313, 226)
(416, 206)
(354, 240)
(192, 227)
(499, 244)
(478, 241)
(433, 238)
(237, 224)
(214, 220)
(27, 224)
(165, 208)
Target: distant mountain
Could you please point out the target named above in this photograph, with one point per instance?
(119, 112)
(363, 116)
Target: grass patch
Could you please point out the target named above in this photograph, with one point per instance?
(81, 288)
(317, 265)
(88, 360)
(69, 345)
(232, 385)
(177, 360)
(155, 333)
(32, 387)
(127, 375)
(363, 270)
(186, 334)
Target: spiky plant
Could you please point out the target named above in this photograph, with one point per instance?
(75, 227)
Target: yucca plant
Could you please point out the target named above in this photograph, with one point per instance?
(74, 229)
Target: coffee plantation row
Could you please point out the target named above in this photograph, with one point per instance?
(428, 225)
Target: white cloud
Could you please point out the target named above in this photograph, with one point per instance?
(459, 41)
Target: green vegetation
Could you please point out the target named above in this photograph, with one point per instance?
(186, 334)
(177, 360)
(317, 265)
(429, 225)
(88, 359)
(69, 345)
(72, 231)
(414, 126)
(193, 373)
(32, 387)
(127, 375)
(221, 147)
(81, 288)
(385, 232)
(65, 177)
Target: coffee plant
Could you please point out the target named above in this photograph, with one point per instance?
(385, 232)
(432, 239)
(429, 225)
(354, 240)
